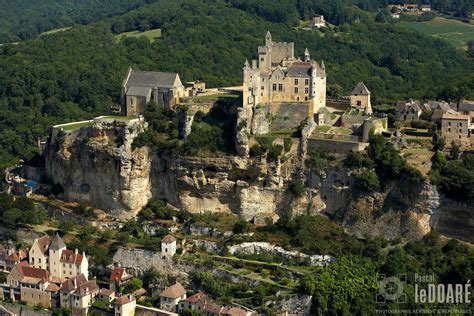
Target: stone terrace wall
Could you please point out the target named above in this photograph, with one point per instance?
(288, 115)
(336, 146)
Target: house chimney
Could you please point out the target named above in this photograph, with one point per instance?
(75, 251)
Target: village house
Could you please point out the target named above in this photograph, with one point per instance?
(195, 302)
(30, 285)
(171, 296)
(78, 293)
(53, 256)
(317, 22)
(106, 295)
(118, 278)
(168, 246)
(125, 306)
(425, 8)
(141, 87)
(455, 126)
(466, 107)
(439, 108)
(408, 111)
(278, 77)
(10, 256)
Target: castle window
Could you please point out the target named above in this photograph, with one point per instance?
(449, 123)
(296, 89)
(263, 79)
(274, 87)
(449, 130)
(262, 87)
(280, 87)
(306, 81)
(306, 90)
(262, 59)
(460, 131)
(296, 81)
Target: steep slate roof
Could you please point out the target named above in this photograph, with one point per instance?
(139, 90)
(57, 243)
(151, 79)
(466, 105)
(299, 69)
(69, 256)
(174, 291)
(360, 89)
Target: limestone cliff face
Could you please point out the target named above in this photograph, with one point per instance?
(96, 164)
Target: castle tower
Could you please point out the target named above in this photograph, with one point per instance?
(268, 39)
(55, 249)
(307, 56)
(247, 85)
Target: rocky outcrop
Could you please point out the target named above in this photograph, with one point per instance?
(261, 120)
(250, 248)
(97, 165)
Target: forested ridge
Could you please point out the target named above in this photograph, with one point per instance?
(76, 74)
(26, 19)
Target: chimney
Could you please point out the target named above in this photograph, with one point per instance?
(75, 251)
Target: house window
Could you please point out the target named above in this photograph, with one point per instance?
(280, 87)
(306, 90)
(274, 87)
(296, 89)
(449, 130)
(306, 82)
(296, 81)
(359, 103)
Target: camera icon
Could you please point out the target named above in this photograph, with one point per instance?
(391, 289)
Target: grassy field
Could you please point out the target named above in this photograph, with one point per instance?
(455, 32)
(150, 34)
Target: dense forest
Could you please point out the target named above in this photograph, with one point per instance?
(25, 19)
(77, 73)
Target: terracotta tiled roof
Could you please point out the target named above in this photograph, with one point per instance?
(168, 239)
(52, 287)
(13, 257)
(44, 243)
(27, 271)
(236, 311)
(117, 274)
(197, 297)
(174, 291)
(106, 292)
(124, 299)
(69, 256)
(212, 308)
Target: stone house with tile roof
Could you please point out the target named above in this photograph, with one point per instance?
(31, 285)
(171, 296)
(78, 293)
(118, 277)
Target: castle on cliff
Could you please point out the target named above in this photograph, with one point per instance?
(278, 76)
